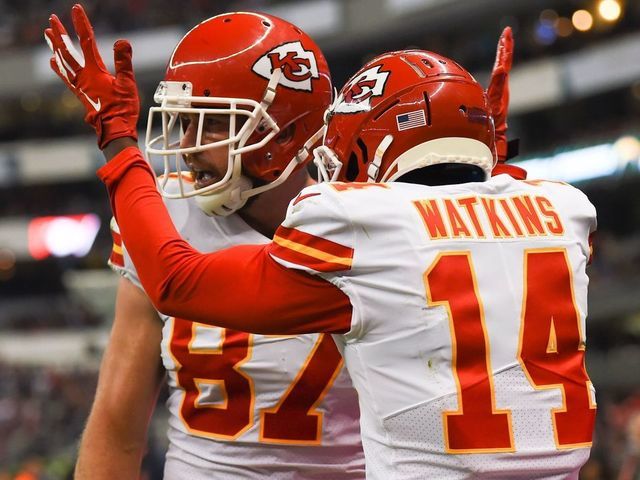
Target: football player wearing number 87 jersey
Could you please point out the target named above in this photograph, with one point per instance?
(458, 300)
(241, 405)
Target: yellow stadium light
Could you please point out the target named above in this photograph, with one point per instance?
(609, 10)
(582, 20)
(627, 148)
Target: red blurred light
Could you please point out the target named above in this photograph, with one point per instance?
(62, 235)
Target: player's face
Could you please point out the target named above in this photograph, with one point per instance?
(208, 166)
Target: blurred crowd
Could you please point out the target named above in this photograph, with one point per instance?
(49, 313)
(616, 258)
(21, 23)
(42, 413)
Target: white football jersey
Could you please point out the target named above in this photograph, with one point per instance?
(246, 406)
(467, 339)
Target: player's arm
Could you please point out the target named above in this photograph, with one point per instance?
(241, 288)
(498, 96)
(131, 374)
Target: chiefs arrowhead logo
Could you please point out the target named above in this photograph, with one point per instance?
(356, 96)
(298, 66)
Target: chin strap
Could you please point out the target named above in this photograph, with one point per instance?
(270, 92)
(374, 166)
(299, 158)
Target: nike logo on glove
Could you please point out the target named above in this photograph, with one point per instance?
(96, 105)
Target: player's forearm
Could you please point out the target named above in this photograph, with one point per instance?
(114, 440)
(131, 375)
(106, 453)
(240, 288)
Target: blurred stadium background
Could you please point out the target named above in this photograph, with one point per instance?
(575, 107)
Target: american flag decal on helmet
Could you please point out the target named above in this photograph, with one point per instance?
(410, 120)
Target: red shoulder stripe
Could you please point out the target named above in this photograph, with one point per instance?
(310, 251)
(301, 197)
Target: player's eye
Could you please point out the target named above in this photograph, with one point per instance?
(216, 122)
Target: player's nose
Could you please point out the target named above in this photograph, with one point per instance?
(189, 135)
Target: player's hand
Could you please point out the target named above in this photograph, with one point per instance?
(498, 91)
(111, 102)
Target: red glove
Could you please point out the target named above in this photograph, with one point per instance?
(111, 102)
(498, 91)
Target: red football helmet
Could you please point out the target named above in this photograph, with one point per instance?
(402, 111)
(267, 76)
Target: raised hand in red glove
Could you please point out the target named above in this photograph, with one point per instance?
(498, 94)
(111, 102)
(498, 91)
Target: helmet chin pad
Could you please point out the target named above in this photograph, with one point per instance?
(225, 201)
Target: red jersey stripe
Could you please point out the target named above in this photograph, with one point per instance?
(302, 239)
(306, 259)
(301, 197)
(116, 257)
(311, 251)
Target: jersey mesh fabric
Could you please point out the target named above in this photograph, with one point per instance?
(410, 431)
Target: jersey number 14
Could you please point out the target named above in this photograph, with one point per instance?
(551, 352)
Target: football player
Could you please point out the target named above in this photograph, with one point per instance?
(241, 405)
(458, 300)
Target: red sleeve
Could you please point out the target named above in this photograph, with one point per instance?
(241, 288)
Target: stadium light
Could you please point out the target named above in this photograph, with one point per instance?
(61, 236)
(564, 27)
(545, 32)
(609, 10)
(586, 163)
(582, 20)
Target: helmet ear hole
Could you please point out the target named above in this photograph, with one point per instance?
(286, 135)
(353, 167)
